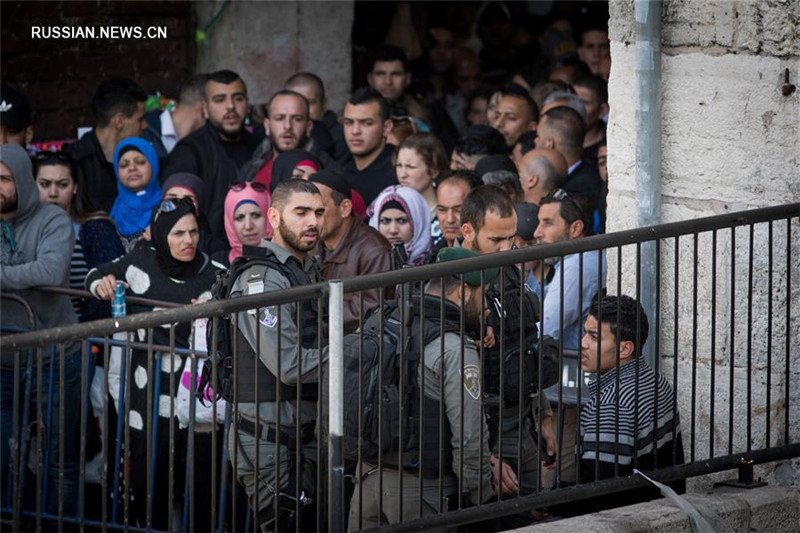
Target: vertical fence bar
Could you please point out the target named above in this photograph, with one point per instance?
(675, 336)
(61, 433)
(712, 385)
(768, 408)
(732, 345)
(788, 324)
(150, 447)
(750, 344)
(694, 346)
(16, 496)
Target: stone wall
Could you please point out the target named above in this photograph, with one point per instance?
(59, 76)
(266, 42)
(730, 141)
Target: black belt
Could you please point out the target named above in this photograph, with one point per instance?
(267, 431)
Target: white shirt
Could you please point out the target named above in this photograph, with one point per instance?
(168, 135)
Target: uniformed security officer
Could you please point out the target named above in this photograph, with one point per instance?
(489, 225)
(464, 451)
(272, 425)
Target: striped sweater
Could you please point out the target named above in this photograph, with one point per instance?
(635, 420)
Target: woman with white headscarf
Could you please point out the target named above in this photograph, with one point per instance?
(401, 214)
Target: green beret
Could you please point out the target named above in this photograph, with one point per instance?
(470, 278)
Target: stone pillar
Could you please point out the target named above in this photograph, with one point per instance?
(266, 42)
(730, 141)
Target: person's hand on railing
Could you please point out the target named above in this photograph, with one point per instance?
(510, 481)
(106, 286)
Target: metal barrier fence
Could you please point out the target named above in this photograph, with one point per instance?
(313, 446)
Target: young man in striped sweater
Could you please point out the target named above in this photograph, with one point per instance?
(630, 420)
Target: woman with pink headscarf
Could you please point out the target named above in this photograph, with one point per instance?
(401, 214)
(246, 216)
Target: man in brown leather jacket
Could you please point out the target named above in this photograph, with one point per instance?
(348, 247)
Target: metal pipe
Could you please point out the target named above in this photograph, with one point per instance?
(648, 145)
(336, 406)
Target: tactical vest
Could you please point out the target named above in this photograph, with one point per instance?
(428, 458)
(250, 370)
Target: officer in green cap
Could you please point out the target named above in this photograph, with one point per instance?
(452, 395)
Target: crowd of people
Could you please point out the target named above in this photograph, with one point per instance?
(434, 159)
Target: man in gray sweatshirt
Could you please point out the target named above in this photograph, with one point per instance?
(36, 242)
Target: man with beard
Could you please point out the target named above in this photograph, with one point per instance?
(348, 247)
(216, 151)
(279, 353)
(511, 357)
(36, 242)
(452, 392)
(562, 217)
(288, 126)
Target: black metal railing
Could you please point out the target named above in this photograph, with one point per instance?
(723, 334)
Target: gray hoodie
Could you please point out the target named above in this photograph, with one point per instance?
(43, 240)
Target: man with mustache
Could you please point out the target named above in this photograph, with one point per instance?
(216, 151)
(288, 126)
(278, 355)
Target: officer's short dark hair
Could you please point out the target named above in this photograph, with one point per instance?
(368, 95)
(286, 189)
(193, 90)
(483, 199)
(286, 92)
(621, 313)
(116, 95)
(306, 78)
(387, 54)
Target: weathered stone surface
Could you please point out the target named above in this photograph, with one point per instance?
(726, 509)
(697, 23)
(266, 42)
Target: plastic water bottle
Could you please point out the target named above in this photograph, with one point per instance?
(118, 303)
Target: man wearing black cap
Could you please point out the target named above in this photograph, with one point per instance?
(452, 387)
(348, 247)
(15, 118)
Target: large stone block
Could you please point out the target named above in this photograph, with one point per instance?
(698, 23)
(266, 42)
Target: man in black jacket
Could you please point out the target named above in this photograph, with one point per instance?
(118, 109)
(563, 128)
(327, 133)
(218, 150)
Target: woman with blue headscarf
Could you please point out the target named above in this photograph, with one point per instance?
(138, 189)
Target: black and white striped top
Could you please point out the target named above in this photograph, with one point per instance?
(77, 272)
(648, 425)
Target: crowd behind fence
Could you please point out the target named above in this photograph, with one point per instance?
(178, 462)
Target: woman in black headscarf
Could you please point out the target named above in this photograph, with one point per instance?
(171, 269)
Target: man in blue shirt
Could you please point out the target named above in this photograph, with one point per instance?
(562, 217)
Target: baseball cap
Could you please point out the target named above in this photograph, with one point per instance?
(14, 110)
(527, 220)
(473, 277)
(332, 179)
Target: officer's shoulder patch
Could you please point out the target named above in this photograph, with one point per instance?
(269, 320)
(472, 381)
